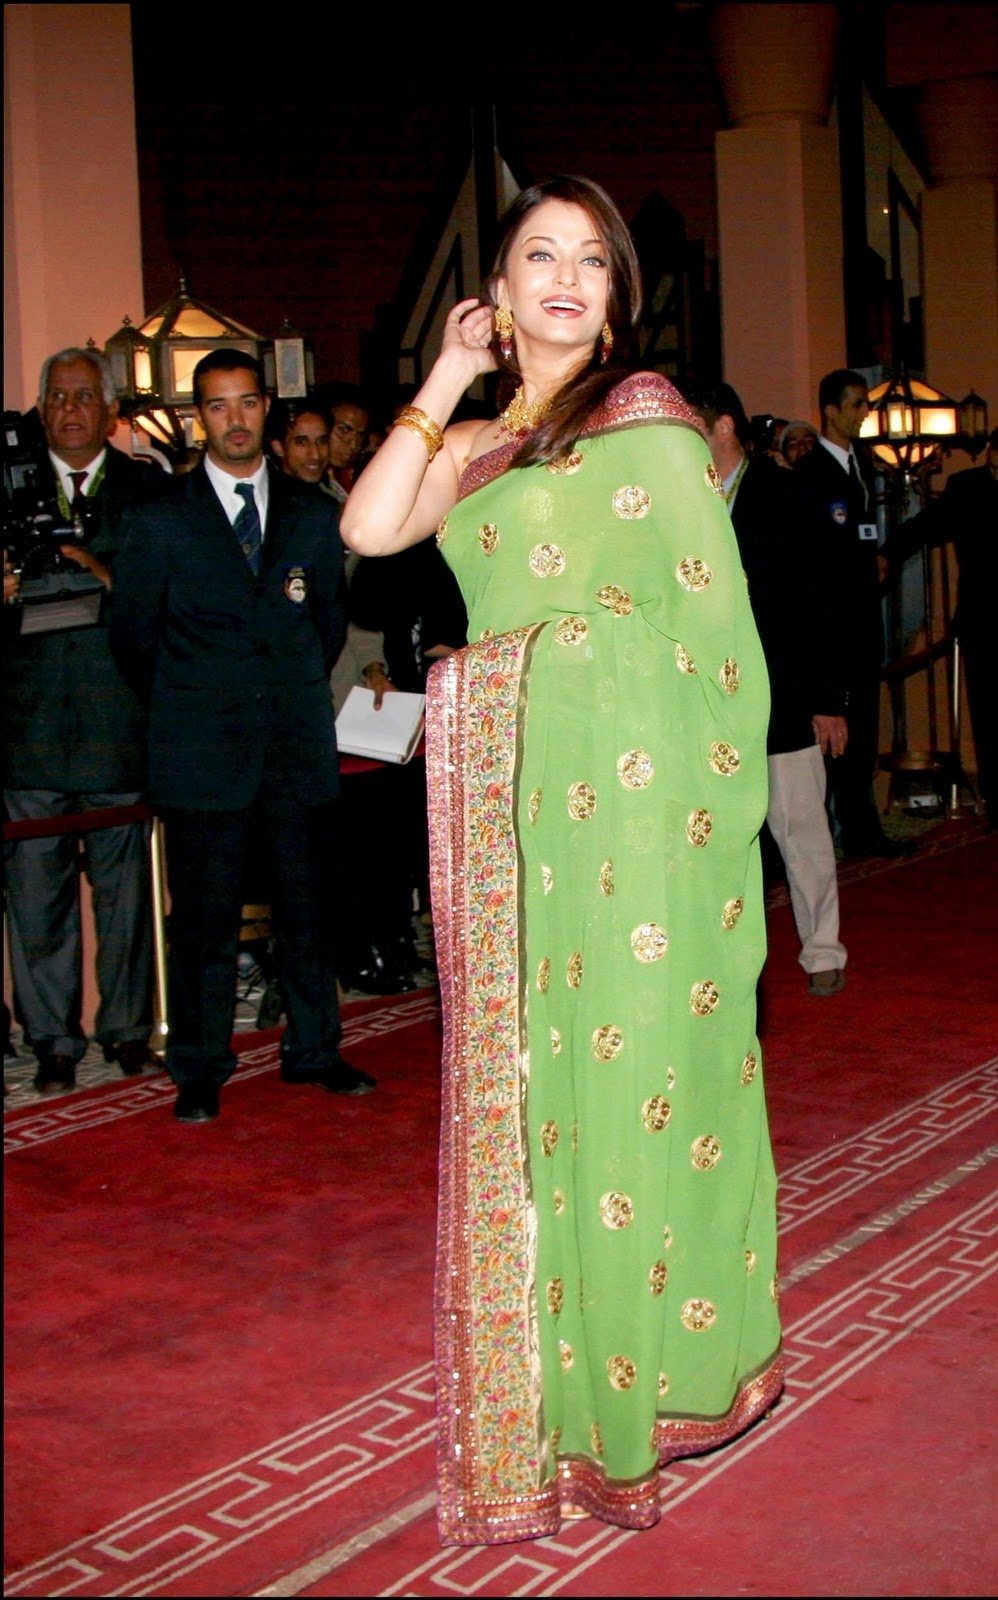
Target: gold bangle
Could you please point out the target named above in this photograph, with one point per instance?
(418, 422)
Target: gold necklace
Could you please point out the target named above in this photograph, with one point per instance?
(520, 418)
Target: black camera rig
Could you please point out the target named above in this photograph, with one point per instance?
(54, 592)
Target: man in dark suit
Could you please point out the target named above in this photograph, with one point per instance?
(229, 608)
(804, 725)
(75, 741)
(836, 527)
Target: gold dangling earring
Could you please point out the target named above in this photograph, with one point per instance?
(504, 328)
(606, 344)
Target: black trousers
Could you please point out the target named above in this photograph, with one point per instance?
(207, 855)
(850, 775)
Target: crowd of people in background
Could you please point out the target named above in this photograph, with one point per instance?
(802, 499)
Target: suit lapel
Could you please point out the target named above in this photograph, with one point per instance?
(210, 519)
(281, 521)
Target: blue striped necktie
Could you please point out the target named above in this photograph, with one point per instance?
(247, 527)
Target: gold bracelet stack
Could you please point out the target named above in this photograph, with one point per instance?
(418, 422)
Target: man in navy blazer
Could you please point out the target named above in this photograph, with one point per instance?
(229, 612)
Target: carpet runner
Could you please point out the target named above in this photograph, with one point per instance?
(218, 1351)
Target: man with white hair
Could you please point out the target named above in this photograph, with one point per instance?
(74, 742)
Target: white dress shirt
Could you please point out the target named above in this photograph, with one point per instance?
(224, 485)
(62, 473)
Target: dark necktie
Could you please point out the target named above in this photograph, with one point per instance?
(247, 527)
(77, 479)
(856, 478)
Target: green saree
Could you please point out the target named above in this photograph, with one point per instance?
(606, 1291)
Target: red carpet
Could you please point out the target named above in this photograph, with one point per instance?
(218, 1338)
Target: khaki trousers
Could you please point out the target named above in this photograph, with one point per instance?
(799, 824)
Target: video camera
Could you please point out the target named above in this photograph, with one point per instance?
(54, 592)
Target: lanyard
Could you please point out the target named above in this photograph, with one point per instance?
(729, 494)
(88, 493)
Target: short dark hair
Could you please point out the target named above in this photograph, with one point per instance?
(834, 385)
(719, 400)
(285, 413)
(226, 361)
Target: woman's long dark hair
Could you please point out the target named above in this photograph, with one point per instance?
(585, 391)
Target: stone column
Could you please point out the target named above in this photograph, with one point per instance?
(779, 204)
(72, 250)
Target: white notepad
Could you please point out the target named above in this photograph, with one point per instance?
(390, 734)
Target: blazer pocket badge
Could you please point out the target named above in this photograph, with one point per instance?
(295, 585)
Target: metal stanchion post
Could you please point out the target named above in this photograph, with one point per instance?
(955, 809)
(162, 1023)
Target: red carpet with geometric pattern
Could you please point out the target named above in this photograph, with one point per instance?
(218, 1351)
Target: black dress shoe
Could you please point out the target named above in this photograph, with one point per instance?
(196, 1102)
(131, 1056)
(339, 1077)
(55, 1072)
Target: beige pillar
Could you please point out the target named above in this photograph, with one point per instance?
(779, 207)
(72, 251)
(959, 123)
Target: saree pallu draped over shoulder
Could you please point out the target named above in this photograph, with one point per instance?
(606, 1293)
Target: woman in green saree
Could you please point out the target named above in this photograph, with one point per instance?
(606, 1294)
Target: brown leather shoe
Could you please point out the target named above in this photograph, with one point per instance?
(831, 981)
(55, 1072)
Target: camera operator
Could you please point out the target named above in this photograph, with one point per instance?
(74, 741)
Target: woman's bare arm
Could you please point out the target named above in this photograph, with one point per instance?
(401, 496)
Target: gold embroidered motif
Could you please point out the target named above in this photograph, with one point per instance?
(730, 676)
(684, 661)
(571, 630)
(615, 599)
(547, 879)
(606, 878)
(655, 1113)
(555, 1042)
(631, 502)
(670, 1078)
(617, 1210)
(667, 1237)
(488, 538)
(698, 1315)
(573, 970)
(732, 911)
(694, 574)
(635, 769)
(556, 1437)
(566, 466)
(575, 1137)
(544, 975)
(621, 1371)
(566, 1355)
(487, 635)
(750, 1067)
(724, 759)
(534, 805)
(699, 826)
(714, 480)
(555, 1296)
(441, 531)
(649, 942)
(559, 1202)
(581, 801)
(608, 1042)
(774, 1288)
(546, 561)
(704, 998)
(705, 1152)
(750, 1261)
(596, 1439)
(549, 1138)
(663, 1385)
(658, 1276)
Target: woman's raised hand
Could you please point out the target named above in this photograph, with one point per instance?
(468, 333)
